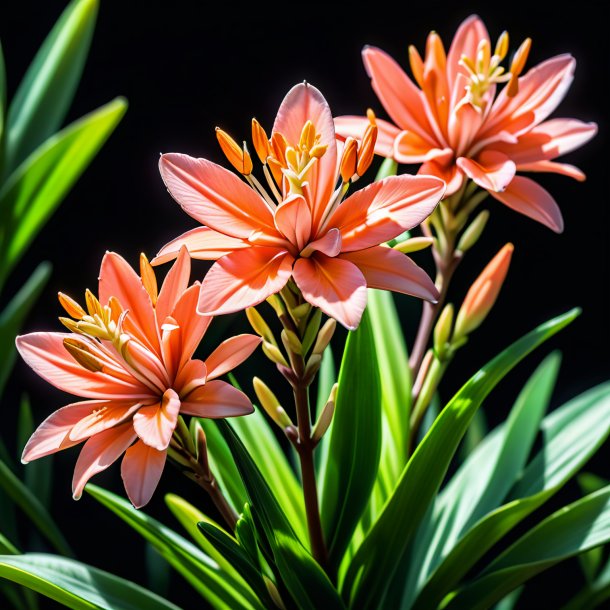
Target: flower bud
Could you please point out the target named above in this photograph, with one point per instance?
(270, 403)
(367, 149)
(72, 308)
(471, 235)
(273, 353)
(414, 244)
(291, 342)
(442, 331)
(259, 325)
(324, 336)
(149, 280)
(326, 417)
(237, 156)
(311, 332)
(483, 293)
(260, 141)
(349, 159)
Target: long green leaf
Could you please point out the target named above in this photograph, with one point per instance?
(301, 574)
(571, 530)
(586, 421)
(593, 594)
(374, 564)
(38, 185)
(77, 585)
(355, 443)
(206, 577)
(32, 507)
(2, 100)
(46, 91)
(14, 315)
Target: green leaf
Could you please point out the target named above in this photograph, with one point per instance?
(32, 507)
(592, 595)
(327, 377)
(13, 316)
(2, 99)
(303, 577)
(388, 167)
(46, 91)
(476, 433)
(7, 547)
(204, 575)
(587, 422)
(158, 571)
(571, 530)
(510, 601)
(78, 585)
(37, 186)
(375, 562)
(355, 443)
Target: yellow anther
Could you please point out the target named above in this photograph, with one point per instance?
(260, 141)
(308, 136)
(370, 115)
(237, 156)
(417, 65)
(70, 324)
(349, 160)
(502, 45)
(93, 305)
(81, 353)
(517, 67)
(115, 308)
(71, 306)
(149, 280)
(291, 158)
(318, 150)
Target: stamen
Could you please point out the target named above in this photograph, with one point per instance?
(517, 67)
(72, 308)
(82, 354)
(367, 150)
(417, 65)
(349, 159)
(502, 45)
(93, 305)
(149, 280)
(238, 157)
(260, 141)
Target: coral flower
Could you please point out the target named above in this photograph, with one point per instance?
(302, 230)
(456, 126)
(131, 355)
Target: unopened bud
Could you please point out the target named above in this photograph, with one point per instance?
(301, 310)
(517, 67)
(275, 302)
(471, 235)
(367, 149)
(291, 342)
(81, 353)
(349, 159)
(274, 594)
(273, 353)
(311, 332)
(414, 244)
(442, 330)
(417, 65)
(70, 324)
(149, 280)
(502, 45)
(201, 444)
(93, 305)
(318, 151)
(260, 141)
(326, 416)
(237, 156)
(259, 325)
(270, 403)
(308, 136)
(324, 336)
(71, 306)
(483, 293)
(312, 366)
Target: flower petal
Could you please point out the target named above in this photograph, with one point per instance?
(387, 269)
(450, 174)
(175, 283)
(155, 424)
(217, 399)
(329, 244)
(230, 353)
(103, 415)
(492, 170)
(52, 434)
(529, 198)
(99, 452)
(305, 103)
(141, 469)
(193, 374)
(293, 220)
(410, 148)
(214, 196)
(118, 279)
(400, 97)
(465, 42)
(243, 279)
(334, 285)
(385, 209)
(565, 169)
(202, 243)
(46, 355)
(354, 127)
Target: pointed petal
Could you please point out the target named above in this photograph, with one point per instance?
(46, 355)
(141, 469)
(52, 434)
(329, 244)
(449, 173)
(99, 452)
(214, 196)
(465, 42)
(293, 220)
(400, 97)
(334, 285)
(387, 269)
(549, 140)
(202, 243)
(230, 353)
(118, 279)
(410, 148)
(354, 127)
(565, 169)
(193, 374)
(529, 198)
(464, 121)
(175, 283)
(492, 170)
(217, 399)
(243, 279)
(385, 209)
(155, 424)
(305, 103)
(103, 415)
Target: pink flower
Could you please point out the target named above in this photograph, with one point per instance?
(331, 250)
(456, 126)
(131, 355)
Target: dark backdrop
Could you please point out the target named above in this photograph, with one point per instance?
(188, 66)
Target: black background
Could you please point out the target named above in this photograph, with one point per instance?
(188, 66)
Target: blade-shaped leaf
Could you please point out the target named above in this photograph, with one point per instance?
(38, 185)
(32, 507)
(42, 100)
(301, 574)
(571, 530)
(78, 585)
(593, 594)
(14, 315)
(2, 100)
(377, 558)
(587, 422)
(204, 575)
(355, 443)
